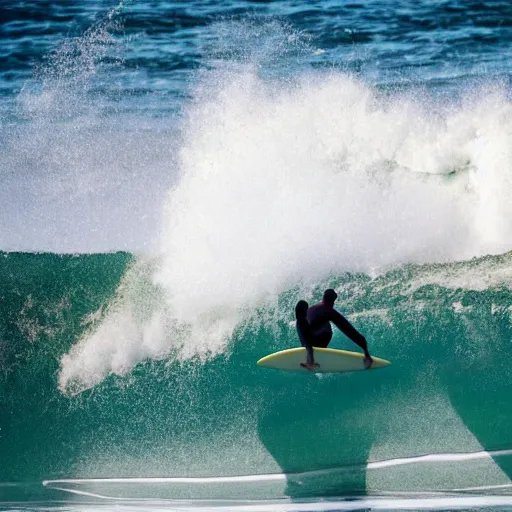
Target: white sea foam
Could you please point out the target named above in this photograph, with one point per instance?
(290, 183)
(327, 176)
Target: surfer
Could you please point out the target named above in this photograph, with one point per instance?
(314, 327)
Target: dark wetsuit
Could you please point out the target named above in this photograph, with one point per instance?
(306, 336)
(315, 330)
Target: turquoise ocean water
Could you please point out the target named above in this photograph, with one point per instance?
(176, 175)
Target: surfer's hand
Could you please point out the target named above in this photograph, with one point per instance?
(368, 361)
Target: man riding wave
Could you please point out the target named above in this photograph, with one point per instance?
(314, 327)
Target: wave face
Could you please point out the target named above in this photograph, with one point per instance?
(210, 412)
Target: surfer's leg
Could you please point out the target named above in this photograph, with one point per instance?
(322, 340)
(309, 351)
(304, 332)
(305, 340)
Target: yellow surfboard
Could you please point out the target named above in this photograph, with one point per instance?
(329, 360)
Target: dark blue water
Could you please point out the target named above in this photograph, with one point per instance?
(163, 43)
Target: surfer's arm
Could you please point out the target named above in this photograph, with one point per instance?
(348, 330)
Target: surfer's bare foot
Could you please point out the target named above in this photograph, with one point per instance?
(310, 366)
(368, 361)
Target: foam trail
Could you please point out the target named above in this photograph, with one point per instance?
(290, 184)
(422, 459)
(111, 486)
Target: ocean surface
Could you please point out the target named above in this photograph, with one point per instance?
(176, 175)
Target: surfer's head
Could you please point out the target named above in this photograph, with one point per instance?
(330, 296)
(301, 309)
